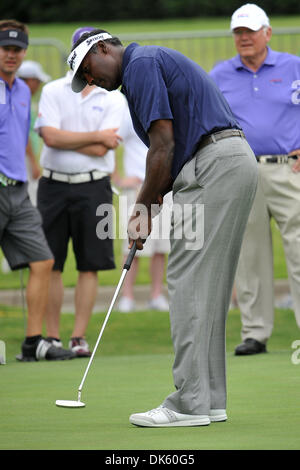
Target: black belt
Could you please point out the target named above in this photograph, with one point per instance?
(225, 134)
(276, 158)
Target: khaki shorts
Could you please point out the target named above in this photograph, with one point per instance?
(159, 238)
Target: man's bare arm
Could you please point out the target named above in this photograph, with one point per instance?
(93, 150)
(69, 140)
(158, 180)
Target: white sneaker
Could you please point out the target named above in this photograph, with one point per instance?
(126, 305)
(164, 417)
(217, 415)
(55, 342)
(159, 303)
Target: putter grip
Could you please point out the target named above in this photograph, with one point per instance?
(130, 256)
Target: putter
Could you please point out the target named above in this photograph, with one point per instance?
(78, 403)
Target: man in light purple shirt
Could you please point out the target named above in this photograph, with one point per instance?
(15, 112)
(262, 87)
(21, 237)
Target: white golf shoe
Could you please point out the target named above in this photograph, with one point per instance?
(164, 417)
(217, 415)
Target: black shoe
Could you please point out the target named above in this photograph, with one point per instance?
(250, 346)
(44, 350)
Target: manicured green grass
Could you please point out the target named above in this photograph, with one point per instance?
(131, 372)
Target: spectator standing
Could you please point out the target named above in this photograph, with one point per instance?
(262, 87)
(157, 246)
(21, 236)
(80, 135)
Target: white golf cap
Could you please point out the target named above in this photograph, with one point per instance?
(249, 16)
(77, 56)
(31, 69)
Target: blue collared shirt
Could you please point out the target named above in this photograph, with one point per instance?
(161, 83)
(266, 103)
(14, 128)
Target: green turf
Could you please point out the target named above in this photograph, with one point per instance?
(132, 372)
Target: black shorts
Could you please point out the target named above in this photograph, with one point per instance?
(69, 212)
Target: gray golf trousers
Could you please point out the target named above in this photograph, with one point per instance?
(221, 182)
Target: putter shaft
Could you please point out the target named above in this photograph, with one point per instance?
(124, 272)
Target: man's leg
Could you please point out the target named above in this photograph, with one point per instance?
(157, 270)
(53, 311)
(37, 295)
(85, 297)
(284, 202)
(254, 276)
(35, 347)
(200, 281)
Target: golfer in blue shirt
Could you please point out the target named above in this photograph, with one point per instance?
(197, 149)
(262, 87)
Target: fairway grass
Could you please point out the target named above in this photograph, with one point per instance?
(125, 377)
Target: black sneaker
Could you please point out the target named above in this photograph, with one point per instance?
(44, 350)
(250, 346)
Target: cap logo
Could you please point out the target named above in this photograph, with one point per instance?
(72, 60)
(13, 34)
(93, 39)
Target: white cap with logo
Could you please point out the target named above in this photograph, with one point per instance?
(78, 54)
(249, 16)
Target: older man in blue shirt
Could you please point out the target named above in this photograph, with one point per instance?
(262, 87)
(197, 149)
(21, 237)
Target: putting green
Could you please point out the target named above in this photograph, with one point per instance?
(263, 391)
(263, 405)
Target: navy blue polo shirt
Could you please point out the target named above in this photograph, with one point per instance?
(161, 83)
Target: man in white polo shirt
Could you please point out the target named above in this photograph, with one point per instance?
(80, 135)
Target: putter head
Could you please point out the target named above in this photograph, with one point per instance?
(70, 403)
